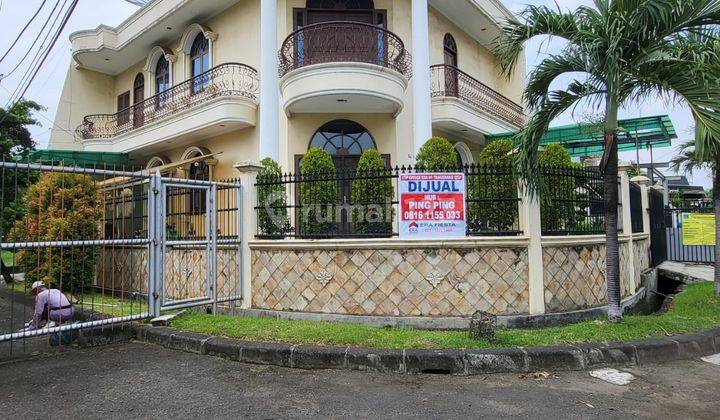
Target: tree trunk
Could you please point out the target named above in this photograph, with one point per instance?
(716, 206)
(612, 247)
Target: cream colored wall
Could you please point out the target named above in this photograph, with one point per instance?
(473, 58)
(85, 92)
(302, 127)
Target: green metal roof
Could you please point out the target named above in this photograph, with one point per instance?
(76, 158)
(587, 139)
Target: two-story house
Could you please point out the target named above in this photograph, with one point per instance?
(247, 79)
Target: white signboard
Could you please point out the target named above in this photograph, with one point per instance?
(432, 205)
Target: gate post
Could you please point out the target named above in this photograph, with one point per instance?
(155, 236)
(627, 225)
(644, 183)
(248, 176)
(531, 225)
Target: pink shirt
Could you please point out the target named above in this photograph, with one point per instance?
(53, 299)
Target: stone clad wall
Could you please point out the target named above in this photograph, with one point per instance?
(574, 277)
(642, 258)
(405, 282)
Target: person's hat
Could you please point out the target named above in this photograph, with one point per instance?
(36, 285)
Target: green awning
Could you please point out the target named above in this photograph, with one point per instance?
(587, 139)
(77, 158)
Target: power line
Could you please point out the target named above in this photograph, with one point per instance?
(37, 38)
(27, 25)
(45, 54)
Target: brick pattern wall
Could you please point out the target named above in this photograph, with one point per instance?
(413, 282)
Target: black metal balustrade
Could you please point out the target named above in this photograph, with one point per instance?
(572, 201)
(636, 209)
(333, 42)
(229, 79)
(362, 204)
(450, 81)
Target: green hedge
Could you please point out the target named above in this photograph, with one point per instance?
(272, 216)
(318, 198)
(437, 155)
(369, 215)
(497, 215)
(60, 207)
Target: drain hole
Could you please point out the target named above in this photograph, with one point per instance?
(436, 371)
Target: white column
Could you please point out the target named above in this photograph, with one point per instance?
(422, 108)
(269, 96)
(531, 225)
(248, 225)
(626, 218)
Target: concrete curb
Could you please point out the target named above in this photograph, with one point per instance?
(457, 362)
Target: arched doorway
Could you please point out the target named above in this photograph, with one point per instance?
(138, 97)
(451, 62)
(319, 11)
(344, 141)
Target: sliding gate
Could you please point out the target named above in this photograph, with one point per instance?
(120, 245)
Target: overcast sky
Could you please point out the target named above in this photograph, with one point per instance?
(48, 84)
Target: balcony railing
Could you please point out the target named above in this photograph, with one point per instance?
(229, 79)
(334, 42)
(450, 81)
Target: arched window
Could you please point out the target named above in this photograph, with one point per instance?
(343, 138)
(162, 75)
(199, 171)
(199, 61)
(451, 63)
(341, 4)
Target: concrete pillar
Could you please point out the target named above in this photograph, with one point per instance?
(422, 105)
(644, 183)
(531, 225)
(626, 218)
(248, 226)
(269, 79)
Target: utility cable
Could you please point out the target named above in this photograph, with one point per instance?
(27, 25)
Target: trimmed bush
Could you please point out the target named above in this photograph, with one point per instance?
(372, 218)
(60, 207)
(493, 214)
(319, 198)
(558, 216)
(437, 155)
(272, 217)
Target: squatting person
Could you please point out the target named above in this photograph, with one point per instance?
(51, 305)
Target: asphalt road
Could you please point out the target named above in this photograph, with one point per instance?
(138, 380)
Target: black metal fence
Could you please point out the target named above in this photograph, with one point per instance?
(572, 201)
(357, 204)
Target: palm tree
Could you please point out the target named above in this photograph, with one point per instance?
(687, 161)
(626, 50)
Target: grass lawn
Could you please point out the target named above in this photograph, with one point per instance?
(693, 310)
(7, 258)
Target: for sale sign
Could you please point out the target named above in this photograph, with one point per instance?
(432, 205)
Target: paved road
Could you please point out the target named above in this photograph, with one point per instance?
(142, 380)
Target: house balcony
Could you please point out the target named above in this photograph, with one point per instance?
(223, 99)
(465, 107)
(346, 67)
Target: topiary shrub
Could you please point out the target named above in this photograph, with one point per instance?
(372, 209)
(60, 207)
(318, 193)
(493, 213)
(437, 155)
(558, 215)
(272, 216)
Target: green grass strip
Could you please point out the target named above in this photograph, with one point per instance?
(693, 310)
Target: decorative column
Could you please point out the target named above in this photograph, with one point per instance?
(422, 106)
(269, 78)
(531, 225)
(626, 218)
(247, 225)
